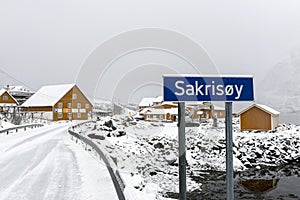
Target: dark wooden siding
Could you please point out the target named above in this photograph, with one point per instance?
(255, 119)
(64, 110)
(37, 109)
(9, 98)
(68, 98)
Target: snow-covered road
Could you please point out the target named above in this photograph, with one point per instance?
(44, 163)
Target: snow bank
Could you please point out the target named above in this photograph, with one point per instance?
(147, 156)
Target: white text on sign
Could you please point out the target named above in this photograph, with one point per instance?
(207, 89)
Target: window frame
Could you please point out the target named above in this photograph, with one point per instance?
(5, 98)
(59, 115)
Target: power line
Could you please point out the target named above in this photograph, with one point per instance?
(14, 79)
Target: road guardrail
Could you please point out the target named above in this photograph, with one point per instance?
(115, 176)
(16, 128)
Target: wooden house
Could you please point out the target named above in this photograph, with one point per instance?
(20, 92)
(158, 101)
(6, 100)
(166, 105)
(259, 117)
(146, 103)
(161, 114)
(59, 102)
(205, 112)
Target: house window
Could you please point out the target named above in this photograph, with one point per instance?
(59, 115)
(74, 96)
(60, 105)
(87, 106)
(78, 115)
(5, 98)
(78, 105)
(69, 105)
(70, 116)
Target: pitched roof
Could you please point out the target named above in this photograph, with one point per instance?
(19, 88)
(147, 102)
(158, 99)
(48, 95)
(2, 91)
(262, 107)
(218, 108)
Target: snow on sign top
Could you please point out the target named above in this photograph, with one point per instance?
(48, 95)
(208, 88)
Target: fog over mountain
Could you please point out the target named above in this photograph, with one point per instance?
(280, 88)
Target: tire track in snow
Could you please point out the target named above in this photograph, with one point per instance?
(40, 171)
(37, 136)
(48, 165)
(16, 166)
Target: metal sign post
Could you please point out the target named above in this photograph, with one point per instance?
(181, 148)
(229, 153)
(181, 88)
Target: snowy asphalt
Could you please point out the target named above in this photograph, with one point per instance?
(44, 163)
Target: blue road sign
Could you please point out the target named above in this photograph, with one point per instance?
(207, 88)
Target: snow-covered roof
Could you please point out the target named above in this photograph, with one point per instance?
(48, 95)
(158, 99)
(144, 110)
(2, 91)
(19, 88)
(262, 107)
(218, 108)
(148, 101)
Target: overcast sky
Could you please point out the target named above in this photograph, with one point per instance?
(47, 42)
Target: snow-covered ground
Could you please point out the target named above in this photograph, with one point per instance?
(44, 163)
(147, 155)
(5, 125)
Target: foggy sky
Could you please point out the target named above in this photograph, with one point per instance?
(46, 42)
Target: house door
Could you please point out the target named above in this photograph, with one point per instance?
(168, 116)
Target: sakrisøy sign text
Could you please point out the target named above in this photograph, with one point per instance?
(207, 88)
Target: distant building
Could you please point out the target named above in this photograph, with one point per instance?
(206, 111)
(6, 100)
(166, 105)
(259, 117)
(146, 102)
(59, 102)
(20, 92)
(158, 114)
(158, 101)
